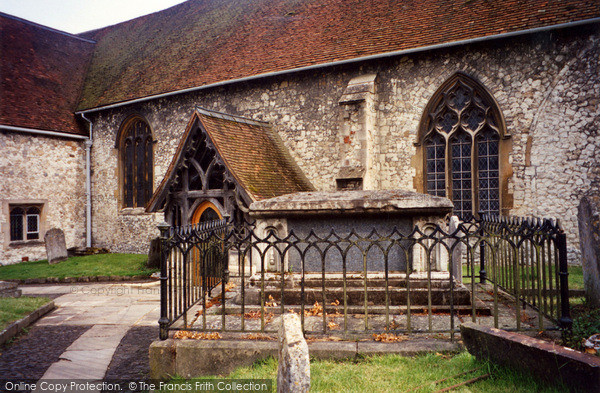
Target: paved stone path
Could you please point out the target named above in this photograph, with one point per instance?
(112, 309)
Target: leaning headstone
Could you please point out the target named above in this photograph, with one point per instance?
(56, 247)
(293, 374)
(154, 254)
(588, 217)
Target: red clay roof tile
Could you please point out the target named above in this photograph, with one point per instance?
(253, 154)
(201, 42)
(41, 76)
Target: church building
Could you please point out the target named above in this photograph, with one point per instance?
(197, 111)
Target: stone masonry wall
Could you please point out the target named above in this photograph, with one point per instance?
(48, 169)
(546, 86)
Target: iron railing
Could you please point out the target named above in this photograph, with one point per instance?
(527, 257)
(353, 282)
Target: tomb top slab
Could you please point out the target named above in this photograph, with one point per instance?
(400, 202)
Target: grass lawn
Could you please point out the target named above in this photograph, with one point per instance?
(575, 276)
(394, 373)
(90, 265)
(12, 309)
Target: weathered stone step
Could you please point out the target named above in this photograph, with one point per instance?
(464, 310)
(314, 282)
(356, 296)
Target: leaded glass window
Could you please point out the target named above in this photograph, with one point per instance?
(33, 223)
(16, 224)
(436, 165)
(24, 222)
(489, 172)
(137, 163)
(460, 147)
(461, 142)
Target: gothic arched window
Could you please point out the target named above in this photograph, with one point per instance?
(460, 133)
(135, 148)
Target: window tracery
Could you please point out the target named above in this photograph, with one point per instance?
(137, 163)
(461, 137)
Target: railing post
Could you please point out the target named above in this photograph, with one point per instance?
(565, 320)
(482, 272)
(163, 322)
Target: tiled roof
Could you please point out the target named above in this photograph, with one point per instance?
(201, 42)
(42, 72)
(252, 152)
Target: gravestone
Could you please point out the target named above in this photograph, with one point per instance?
(154, 254)
(293, 373)
(56, 247)
(588, 217)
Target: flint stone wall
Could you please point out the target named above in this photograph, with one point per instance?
(546, 86)
(42, 169)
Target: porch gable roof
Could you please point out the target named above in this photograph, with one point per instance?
(252, 152)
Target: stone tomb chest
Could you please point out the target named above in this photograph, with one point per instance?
(361, 217)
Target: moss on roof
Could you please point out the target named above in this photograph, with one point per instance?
(201, 42)
(41, 76)
(253, 154)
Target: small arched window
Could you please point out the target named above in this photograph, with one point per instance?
(460, 133)
(24, 223)
(135, 149)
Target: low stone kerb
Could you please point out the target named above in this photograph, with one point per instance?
(553, 363)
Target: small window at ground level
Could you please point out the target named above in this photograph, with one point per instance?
(24, 222)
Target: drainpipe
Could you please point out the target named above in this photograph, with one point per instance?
(88, 184)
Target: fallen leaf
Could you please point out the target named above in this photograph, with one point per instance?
(389, 337)
(316, 310)
(184, 335)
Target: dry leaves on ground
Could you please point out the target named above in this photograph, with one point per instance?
(184, 335)
(389, 338)
(315, 311)
(526, 318)
(393, 325)
(257, 315)
(214, 301)
(333, 326)
(271, 302)
(336, 304)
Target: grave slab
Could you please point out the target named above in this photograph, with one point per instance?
(56, 247)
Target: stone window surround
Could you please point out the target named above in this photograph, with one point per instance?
(128, 210)
(6, 204)
(505, 144)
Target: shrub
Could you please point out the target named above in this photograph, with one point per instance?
(584, 326)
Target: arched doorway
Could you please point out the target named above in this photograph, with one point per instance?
(206, 211)
(207, 259)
